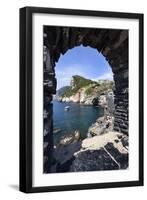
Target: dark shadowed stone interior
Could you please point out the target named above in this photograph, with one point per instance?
(113, 44)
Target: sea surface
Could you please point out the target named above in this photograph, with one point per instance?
(78, 117)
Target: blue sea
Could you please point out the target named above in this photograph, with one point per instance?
(78, 117)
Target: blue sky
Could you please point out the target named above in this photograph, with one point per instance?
(83, 61)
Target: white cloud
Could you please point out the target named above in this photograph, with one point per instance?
(106, 76)
(64, 76)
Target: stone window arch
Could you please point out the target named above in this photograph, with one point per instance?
(113, 44)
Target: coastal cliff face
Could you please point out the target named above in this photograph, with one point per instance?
(87, 92)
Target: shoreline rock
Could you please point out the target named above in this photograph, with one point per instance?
(103, 149)
(57, 130)
(102, 152)
(106, 151)
(67, 139)
(63, 154)
(105, 100)
(102, 125)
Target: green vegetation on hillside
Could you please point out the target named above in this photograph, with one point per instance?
(68, 92)
(79, 82)
(92, 87)
(99, 88)
(63, 90)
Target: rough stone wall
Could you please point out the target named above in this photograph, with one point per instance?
(113, 44)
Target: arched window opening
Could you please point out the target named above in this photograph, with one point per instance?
(85, 125)
(84, 93)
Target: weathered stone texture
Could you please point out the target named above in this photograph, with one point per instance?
(113, 44)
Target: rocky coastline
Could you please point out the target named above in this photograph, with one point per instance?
(107, 150)
(86, 91)
(103, 149)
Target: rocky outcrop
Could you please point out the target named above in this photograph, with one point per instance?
(106, 100)
(63, 154)
(83, 98)
(103, 152)
(68, 139)
(108, 151)
(102, 125)
(88, 92)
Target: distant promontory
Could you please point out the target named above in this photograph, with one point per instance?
(85, 91)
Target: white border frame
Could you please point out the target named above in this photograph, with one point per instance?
(40, 179)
